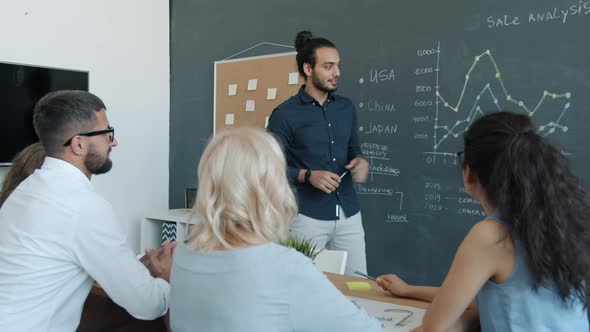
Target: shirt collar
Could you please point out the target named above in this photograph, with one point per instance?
(60, 165)
(305, 98)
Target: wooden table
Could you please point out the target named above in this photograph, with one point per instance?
(102, 314)
(375, 294)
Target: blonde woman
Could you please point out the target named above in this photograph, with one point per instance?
(231, 275)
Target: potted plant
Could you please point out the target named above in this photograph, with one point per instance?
(304, 246)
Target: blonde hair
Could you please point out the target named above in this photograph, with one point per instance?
(23, 165)
(243, 191)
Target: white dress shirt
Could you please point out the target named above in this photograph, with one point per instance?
(57, 235)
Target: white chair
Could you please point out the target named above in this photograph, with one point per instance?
(333, 261)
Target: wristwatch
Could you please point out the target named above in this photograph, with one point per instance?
(307, 175)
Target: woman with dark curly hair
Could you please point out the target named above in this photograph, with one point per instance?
(528, 263)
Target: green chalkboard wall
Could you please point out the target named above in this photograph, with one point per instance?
(419, 71)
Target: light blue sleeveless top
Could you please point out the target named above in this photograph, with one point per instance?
(513, 306)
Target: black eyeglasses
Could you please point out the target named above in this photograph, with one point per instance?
(110, 131)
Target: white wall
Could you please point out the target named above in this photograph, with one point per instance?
(125, 47)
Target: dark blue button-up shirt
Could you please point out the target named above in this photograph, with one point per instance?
(318, 137)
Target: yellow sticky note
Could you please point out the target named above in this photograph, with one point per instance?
(358, 285)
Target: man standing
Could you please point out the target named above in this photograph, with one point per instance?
(58, 234)
(318, 131)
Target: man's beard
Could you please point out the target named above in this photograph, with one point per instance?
(321, 86)
(96, 164)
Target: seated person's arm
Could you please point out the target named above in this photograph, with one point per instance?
(397, 287)
(103, 251)
(475, 263)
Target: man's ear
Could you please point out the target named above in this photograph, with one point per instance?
(307, 69)
(78, 146)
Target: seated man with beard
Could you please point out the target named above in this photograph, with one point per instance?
(58, 234)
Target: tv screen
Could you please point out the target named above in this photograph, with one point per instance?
(21, 86)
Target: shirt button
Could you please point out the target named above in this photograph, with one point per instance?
(332, 142)
(334, 159)
(329, 125)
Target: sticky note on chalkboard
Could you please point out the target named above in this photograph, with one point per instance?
(232, 89)
(252, 84)
(250, 105)
(293, 78)
(229, 119)
(358, 285)
(271, 93)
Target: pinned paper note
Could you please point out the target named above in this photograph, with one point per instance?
(271, 93)
(229, 119)
(232, 89)
(358, 285)
(252, 84)
(250, 105)
(293, 78)
(266, 122)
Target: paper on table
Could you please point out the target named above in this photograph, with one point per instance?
(393, 317)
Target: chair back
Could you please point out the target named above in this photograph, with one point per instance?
(333, 261)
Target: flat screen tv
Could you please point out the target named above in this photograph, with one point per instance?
(21, 86)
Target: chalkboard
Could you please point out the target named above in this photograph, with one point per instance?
(418, 72)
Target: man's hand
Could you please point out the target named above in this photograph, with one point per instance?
(324, 181)
(159, 262)
(359, 167)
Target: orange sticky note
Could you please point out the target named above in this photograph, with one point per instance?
(358, 285)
